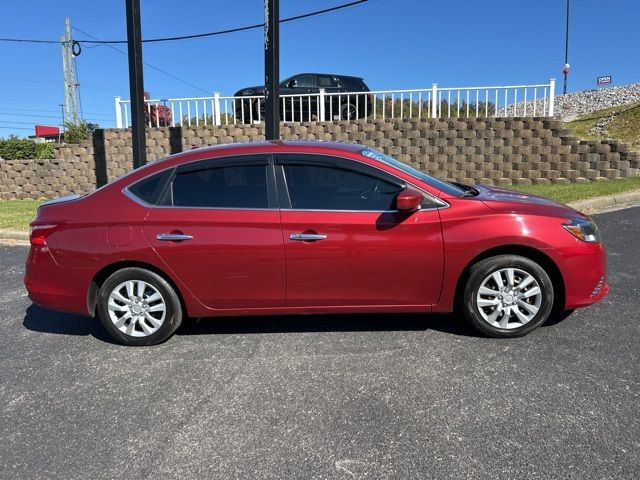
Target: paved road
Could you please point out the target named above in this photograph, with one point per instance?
(326, 397)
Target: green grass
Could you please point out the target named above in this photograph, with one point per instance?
(571, 192)
(625, 125)
(17, 214)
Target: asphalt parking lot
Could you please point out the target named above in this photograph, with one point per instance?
(337, 397)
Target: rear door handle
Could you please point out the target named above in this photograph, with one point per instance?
(307, 237)
(173, 237)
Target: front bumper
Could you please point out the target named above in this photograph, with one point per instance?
(584, 268)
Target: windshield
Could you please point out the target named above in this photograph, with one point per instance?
(428, 179)
(285, 82)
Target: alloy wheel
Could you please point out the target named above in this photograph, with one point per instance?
(509, 298)
(136, 308)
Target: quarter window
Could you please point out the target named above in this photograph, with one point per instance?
(242, 186)
(313, 187)
(149, 189)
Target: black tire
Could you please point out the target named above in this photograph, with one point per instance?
(348, 111)
(479, 273)
(173, 308)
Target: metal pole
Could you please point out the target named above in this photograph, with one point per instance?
(136, 87)
(62, 126)
(566, 50)
(272, 68)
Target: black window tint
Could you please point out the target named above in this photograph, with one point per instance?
(353, 84)
(326, 81)
(326, 188)
(149, 189)
(304, 80)
(243, 186)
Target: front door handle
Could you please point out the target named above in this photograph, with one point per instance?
(307, 237)
(173, 237)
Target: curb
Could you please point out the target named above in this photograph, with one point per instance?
(589, 206)
(13, 237)
(596, 205)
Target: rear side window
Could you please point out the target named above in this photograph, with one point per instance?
(241, 186)
(313, 187)
(149, 189)
(326, 81)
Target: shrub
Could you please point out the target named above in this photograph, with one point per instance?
(159, 115)
(45, 150)
(15, 148)
(77, 132)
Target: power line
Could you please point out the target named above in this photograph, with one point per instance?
(148, 64)
(29, 110)
(56, 117)
(197, 35)
(39, 112)
(35, 115)
(13, 127)
(15, 122)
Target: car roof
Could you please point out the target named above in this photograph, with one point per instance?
(272, 146)
(328, 75)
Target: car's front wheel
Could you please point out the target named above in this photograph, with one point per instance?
(348, 111)
(139, 307)
(507, 296)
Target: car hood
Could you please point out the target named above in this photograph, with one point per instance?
(258, 90)
(518, 202)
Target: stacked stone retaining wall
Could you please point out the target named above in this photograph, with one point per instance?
(498, 151)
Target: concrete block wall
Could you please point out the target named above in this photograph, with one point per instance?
(496, 151)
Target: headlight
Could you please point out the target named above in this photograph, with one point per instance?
(583, 229)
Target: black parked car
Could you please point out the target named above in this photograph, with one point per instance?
(302, 107)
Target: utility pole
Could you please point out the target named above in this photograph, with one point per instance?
(136, 84)
(69, 74)
(272, 68)
(565, 69)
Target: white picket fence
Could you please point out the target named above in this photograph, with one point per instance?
(434, 102)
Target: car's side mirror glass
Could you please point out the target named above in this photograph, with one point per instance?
(409, 200)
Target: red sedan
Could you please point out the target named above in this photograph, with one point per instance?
(275, 228)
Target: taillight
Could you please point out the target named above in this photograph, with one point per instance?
(38, 233)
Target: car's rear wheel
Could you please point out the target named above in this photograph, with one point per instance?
(507, 296)
(139, 307)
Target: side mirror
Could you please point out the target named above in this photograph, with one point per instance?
(409, 200)
(292, 83)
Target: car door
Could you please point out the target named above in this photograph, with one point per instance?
(345, 243)
(218, 230)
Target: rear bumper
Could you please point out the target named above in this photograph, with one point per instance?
(54, 287)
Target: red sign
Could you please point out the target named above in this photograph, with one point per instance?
(45, 131)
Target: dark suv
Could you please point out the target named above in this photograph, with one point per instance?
(303, 105)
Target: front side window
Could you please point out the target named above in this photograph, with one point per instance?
(304, 81)
(314, 187)
(242, 186)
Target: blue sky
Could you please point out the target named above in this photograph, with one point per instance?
(391, 43)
